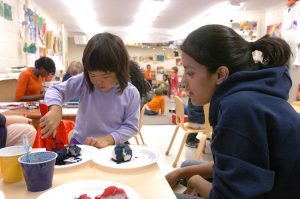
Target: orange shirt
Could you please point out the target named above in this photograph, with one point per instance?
(157, 103)
(148, 74)
(28, 84)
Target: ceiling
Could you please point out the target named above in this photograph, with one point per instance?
(116, 15)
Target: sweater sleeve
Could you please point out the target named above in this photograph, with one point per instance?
(22, 85)
(240, 148)
(131, 117)
(65, 91)
(3, 131)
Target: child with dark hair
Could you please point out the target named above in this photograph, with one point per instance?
(109, 105)
(30, 82)
(255, 141)
(156, 104)
(137, 79)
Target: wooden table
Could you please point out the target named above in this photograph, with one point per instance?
(147, 181)
(34, 114)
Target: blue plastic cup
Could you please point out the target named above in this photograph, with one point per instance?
(38, 173)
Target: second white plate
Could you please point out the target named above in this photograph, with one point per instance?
(141, 156)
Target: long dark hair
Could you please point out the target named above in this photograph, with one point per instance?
(217, 45)
(106, 52)
(137, 78)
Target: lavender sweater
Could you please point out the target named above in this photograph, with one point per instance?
(100, 113)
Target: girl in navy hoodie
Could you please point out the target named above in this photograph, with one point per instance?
(256, 140)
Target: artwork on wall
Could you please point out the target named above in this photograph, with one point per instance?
(274, 30)
(160, 58)
(169, 55)
(7, 12)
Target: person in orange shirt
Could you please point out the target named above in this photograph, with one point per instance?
(148, 74)
(157, 103)
(30, 83)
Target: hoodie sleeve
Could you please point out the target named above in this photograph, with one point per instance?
(3, 131)
(240, 148)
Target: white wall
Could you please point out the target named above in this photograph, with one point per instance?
(11, 45)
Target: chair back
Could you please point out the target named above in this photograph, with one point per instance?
(207, 128)
(8, 90)
(142, 112)
(179, 104)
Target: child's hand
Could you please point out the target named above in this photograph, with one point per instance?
(50, 121)
(100, 142)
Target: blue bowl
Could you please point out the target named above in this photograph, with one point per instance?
(38, 172)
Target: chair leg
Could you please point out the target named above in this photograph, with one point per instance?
(180, 149)
(172, 140)
(201, 146)
(136, 139)
(142, 138)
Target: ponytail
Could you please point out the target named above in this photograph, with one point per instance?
(275, 51)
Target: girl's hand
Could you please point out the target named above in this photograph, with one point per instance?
(100, 142)
(173, 178)
(50, 121)
(16, 119)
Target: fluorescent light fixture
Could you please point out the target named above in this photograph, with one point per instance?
(182, 31)
(147, 14)
(85, 16)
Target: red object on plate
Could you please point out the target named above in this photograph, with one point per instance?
(112, 191)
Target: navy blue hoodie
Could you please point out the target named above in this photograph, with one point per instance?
(3, 131)
(256, 137)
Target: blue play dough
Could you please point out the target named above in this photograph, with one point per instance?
(120, 150)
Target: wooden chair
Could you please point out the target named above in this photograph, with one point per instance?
(8, 90)
(142, 112)
(207, 132)
(180, 123)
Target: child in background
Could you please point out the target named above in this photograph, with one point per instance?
(157, 103)
(137, 79)
(148, 74)
(109, 105)
(30, 82)
(196, 120)
(74, 68)
(174, 84)
(164, 85)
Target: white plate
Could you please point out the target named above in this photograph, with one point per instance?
(141, 156)
(90, 187)
(86, 155)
